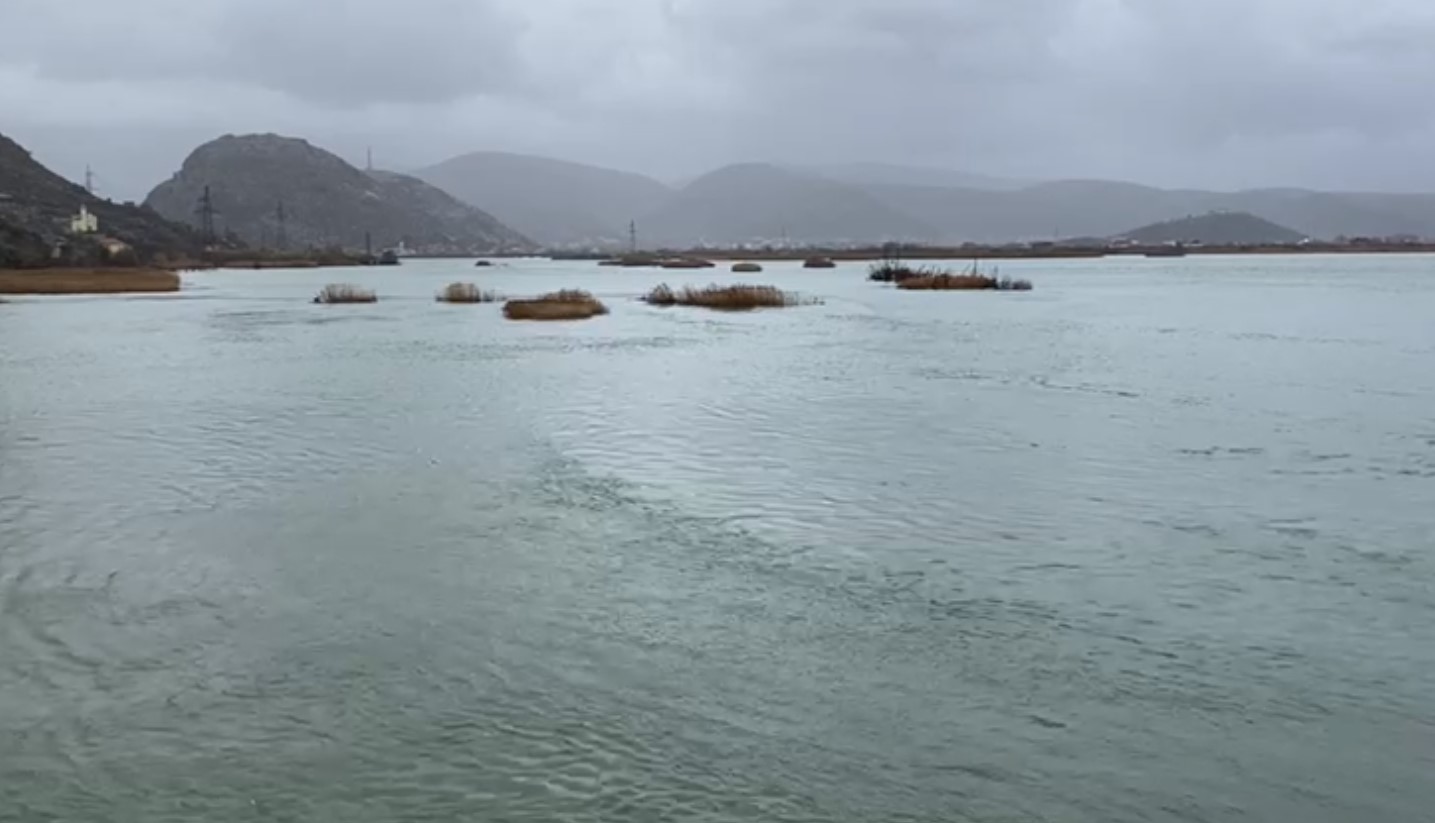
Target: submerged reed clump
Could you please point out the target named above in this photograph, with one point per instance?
(946, 281)
(970, 280)
(725, 298)
(466, 293)
(888, 271)
(746, 268)
(569, 304)
(819, 263)
(345, 293)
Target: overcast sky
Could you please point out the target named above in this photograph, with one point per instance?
(1199, 93)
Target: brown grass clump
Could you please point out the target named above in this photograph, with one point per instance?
(569, 304)
(746, 268)
(819, 263)
(946, 281)
(724, 298)
(87, 281)
(970, 281)
(345, 293)
(466, 293)
(686, 263)
(889, 271)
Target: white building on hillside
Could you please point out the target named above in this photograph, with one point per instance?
(84, 222)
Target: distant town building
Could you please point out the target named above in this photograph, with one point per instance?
(84, 222)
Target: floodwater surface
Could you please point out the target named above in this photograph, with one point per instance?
(1155, 542)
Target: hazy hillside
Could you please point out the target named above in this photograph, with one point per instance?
(1099, 208)
(36, 206)
(884, 174)
(1215, 229)
(744, 203)
(552, 201)
(326, 201)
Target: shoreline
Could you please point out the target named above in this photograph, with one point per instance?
(1008, 253)
(87, 281)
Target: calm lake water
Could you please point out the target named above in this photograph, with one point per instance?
(1155, 542)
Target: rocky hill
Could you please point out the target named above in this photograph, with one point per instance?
(36, 206)
(755, 201)
(553, 201)
(1216, 229)
(325, 202)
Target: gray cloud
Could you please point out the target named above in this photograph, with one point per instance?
(1215, 93)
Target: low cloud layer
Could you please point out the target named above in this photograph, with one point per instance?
(1201, 93)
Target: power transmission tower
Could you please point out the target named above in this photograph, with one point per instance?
(89, 180)
(206, 214)
(632, 237)
(370, 166)
(282, 239)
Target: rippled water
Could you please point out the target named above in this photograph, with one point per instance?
(1153, 542)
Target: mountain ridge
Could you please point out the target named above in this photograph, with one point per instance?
(326, 201)
(36, 206)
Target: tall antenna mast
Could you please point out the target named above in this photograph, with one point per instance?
(206, 216)
(89, 179)
(632, 237)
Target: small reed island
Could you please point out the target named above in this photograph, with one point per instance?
(569, 304)
(726, 298)
(930, 278)
(466, 293)
(337, 293)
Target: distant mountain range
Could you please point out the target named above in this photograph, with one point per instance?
(561, 203)
(37, 205)
(324, 201)
(553, 201)
(1216, 229)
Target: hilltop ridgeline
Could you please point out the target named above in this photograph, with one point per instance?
(36, 209)
(325, 202)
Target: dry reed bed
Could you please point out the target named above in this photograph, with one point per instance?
(725, 298)
(962, 282)
(466, 293)
(569, 304)
(336, 293)
(88, 281)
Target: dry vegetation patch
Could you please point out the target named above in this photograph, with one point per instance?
(569, 304)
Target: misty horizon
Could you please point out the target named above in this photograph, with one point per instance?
(1220, 95)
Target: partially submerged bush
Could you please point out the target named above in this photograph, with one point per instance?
(888, 271)
(345, 293)
(466, 293)
(725, 298)
(819, 263)
(970, 281)
(746, 268)
(687, 263)
(1009, 284)
(569, 304)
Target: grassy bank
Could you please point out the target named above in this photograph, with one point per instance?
(87, 281)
